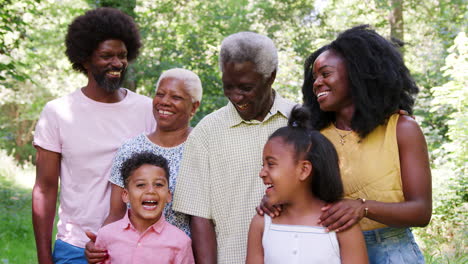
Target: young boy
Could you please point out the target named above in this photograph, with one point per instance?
(143, 235)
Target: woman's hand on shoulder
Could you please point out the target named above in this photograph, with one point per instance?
(341, 215)
(266, 208)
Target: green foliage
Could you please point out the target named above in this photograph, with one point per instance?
(187, 34)
(450, 204)
(16, 234)
(126, 6)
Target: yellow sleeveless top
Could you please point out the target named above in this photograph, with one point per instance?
(370, 168)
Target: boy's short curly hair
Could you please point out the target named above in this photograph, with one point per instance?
(95, 26)
(139, 159)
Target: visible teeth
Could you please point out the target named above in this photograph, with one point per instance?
(322, 94)
(165, 112)
(116, 73)
(150, 202)
(243, 106)
(269, 185)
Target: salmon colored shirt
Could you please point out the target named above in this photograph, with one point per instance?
(160, 243)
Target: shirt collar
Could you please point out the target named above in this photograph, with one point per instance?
(157, 227)
(279, 106)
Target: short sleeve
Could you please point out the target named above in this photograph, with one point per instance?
(192, 192)
(47, 132)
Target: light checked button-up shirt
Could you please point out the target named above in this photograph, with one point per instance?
(218, 177)
(160, 243)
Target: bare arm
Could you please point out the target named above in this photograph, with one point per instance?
(255, 252)
(352, 246)
(117, 211)
(417, 188)
(44, 200)
(203, 240)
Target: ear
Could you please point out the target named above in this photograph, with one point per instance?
(305, 169)
(169, 196)
(272, 78)
(125, 198)
(194, 108)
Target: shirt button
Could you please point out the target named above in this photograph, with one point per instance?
(296, 236)
(294, 252)
(138, 244)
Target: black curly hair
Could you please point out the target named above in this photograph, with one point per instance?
(138, 159)
(95, 26)
(311, 145)
(380, 83)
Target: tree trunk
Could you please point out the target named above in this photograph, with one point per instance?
(396, 22)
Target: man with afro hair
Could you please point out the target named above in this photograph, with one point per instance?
(77, 135)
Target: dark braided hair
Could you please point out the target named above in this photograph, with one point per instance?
(98, 25)
(312, 146)
(380, 83)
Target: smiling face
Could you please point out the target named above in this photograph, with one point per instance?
(280, 172)
(331, 84)
(107, 64)
(147, 192)
(249, 91)
(172, 105)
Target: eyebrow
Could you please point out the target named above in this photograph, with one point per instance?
(321, 68)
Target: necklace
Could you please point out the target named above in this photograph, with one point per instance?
(342, 137)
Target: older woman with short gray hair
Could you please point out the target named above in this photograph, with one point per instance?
(178, 95)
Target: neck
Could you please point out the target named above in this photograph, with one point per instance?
(344, 117)
(141, 225)
(305, 209)
(169, 138)
(95, 92)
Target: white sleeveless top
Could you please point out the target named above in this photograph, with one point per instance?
(295, 244)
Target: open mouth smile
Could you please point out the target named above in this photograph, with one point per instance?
(150, 205)
(242, 106)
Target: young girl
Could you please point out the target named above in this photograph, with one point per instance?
(300, 170)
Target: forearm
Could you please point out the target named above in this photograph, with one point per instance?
(204, 243)
(404, 214)
(43, 214)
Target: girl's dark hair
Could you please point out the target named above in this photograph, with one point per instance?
(312, 146)
(380, 83)
(98, 25)
(139, 159)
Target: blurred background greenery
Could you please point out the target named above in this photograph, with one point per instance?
(187, 33)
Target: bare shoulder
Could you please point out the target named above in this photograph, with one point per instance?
(350, 233)
(257, 222)
(409, 132)
(407, 124)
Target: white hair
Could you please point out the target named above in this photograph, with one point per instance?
(250, 46)
(191, 82)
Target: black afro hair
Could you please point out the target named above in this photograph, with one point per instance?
(95, 26)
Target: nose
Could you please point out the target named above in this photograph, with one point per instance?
(117, 62)
(151, 189)
(262, 172)
(235, 95)
(317, 83)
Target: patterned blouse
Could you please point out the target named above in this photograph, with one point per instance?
(173, 155)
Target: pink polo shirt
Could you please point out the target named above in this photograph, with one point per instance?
(160, 243)
(87, 134)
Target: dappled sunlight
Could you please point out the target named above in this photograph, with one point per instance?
(24, 175)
